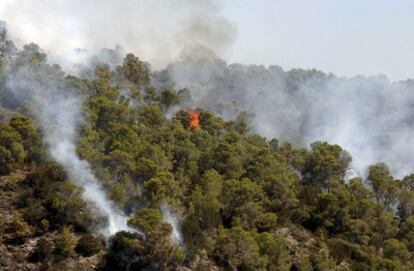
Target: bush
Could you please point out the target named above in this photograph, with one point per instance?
(21, 228)
(89, 245)
(65, 243)
(126, 251)
(42, 250)
(133, 251)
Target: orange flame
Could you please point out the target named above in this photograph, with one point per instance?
(193, 118)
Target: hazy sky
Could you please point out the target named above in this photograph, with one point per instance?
(347, 37)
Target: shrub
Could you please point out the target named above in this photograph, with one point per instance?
(42, 250)
(22, 229)
(65, 243)
(89, 245)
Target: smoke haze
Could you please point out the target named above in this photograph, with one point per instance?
(371, 117)
(174, 221)
(59, 112)
(157, 31)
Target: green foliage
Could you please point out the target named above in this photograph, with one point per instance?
(65, 243)
(135, 70)
(396, 250)
(303, 263)
(383, 185)
(169, 97)
(242, 199)
(66, 203)
(202, 220)
(163, 188)
(243, 202)
(125, 252)
(30, 136)
(89, 245)
(323, 262)
(12, 152)
(277, 251)
(21, 228)
(406, 232)
(237, 250)
(325, 164)
(49, 201)
(151, 249)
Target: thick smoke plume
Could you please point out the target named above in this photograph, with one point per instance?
(371, 117)
(157, 31)
(59, 113)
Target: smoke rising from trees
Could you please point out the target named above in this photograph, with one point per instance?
(371, 117)
(59, 111)
(178, 30)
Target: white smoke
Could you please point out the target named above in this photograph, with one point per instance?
(157, 31)
(60, 113)
(174, 221)
(370, 117)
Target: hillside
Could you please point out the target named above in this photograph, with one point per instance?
(78, 154)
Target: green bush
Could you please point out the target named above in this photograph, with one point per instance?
(89, 245)
(65, 244)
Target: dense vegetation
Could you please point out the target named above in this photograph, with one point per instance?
(244, 202)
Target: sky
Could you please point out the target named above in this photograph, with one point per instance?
(346, 37)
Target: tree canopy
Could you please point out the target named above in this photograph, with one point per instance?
(242, 202)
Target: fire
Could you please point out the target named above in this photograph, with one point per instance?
(193, 119)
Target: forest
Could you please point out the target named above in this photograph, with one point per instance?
(199, 191)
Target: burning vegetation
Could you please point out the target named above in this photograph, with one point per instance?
(225, 187)
(193, 119)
